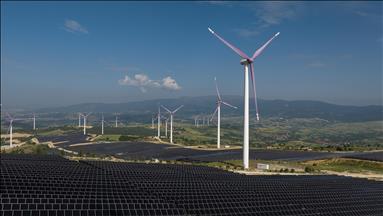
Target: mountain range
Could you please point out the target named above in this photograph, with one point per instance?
(206, 105)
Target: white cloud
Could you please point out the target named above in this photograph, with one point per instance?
(273, 13)
(268, 14)
(74, 27)
(170, 83)
(143, 82)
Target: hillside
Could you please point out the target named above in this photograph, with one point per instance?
(206, 105)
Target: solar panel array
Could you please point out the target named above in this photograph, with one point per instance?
(51, 185)
(372, 156)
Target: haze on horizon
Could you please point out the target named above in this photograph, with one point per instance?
(63, 53)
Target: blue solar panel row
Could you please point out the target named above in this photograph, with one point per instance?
(52, 185)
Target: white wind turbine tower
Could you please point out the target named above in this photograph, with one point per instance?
(166, 127)
(153, 118)
(10, 128)
(102, 124)
(171, 120)
(248, 63)
(79, 119)
(218, 111)
(85, 116)
(159, 123)
(34, 121)
(116, 119)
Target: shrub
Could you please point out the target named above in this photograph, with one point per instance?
(309, 169)
(292, 170)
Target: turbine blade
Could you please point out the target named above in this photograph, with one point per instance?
(255, 93)
(166, 109)
(216, 87)
(212, 116)
(178, 108)
(9, 128)
(227, 104)
(259, 51)
(235, 49)
(9, 116)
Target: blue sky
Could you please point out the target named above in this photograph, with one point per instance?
(61, 53)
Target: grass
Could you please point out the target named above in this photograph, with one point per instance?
(108, 137)
(347, 165)
(286, 134)
(29, 149)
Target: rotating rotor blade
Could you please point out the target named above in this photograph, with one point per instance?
(178, 108)
(227, 104)
(9, 117)
(166, 109)
(216, 88)
(212, 116)
(259, 51)
(235, 49)
(9, 128)
(254, 91)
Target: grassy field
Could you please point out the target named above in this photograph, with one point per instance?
(347, 165)
(294, 134)
(29, 149)
(277, 133)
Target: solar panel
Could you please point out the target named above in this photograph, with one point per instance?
(52, 185)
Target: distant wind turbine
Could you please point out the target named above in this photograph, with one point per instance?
(116, 119)
(248, 63)
(10, 128)
(171, 120)
(34, 121)
(102, 124)
(153, 118)
(79, 119)
(159, 123)
(166, 127)
(85, 116)
(218, 111)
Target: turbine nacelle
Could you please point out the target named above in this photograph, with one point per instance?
(246, 61)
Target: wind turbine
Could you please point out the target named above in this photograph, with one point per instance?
(116, 119)
(159, 123)
(166, 127)
(218, 111)
(248, 63)
(85, 116)
(171, 120)
(102, 124)
(10, 128)
(79, 119)
(34, 121)
(153, 118)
